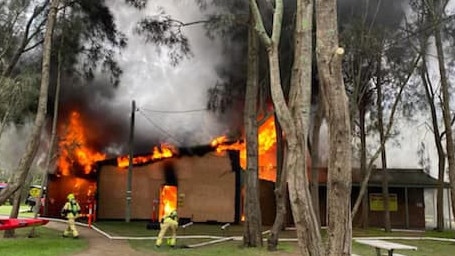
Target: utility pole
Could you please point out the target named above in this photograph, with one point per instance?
(130, 165)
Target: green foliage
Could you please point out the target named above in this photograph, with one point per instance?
(18, 96)
(162, 30)
(88, 38)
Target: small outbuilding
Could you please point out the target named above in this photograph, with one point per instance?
(406, 197)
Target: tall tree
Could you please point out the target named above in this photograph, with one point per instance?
(252, 236)
(359, 65)
(293, 118)
(438, 135)
(98, 23)
(374, 52)
(32, 146)
(422, 22)
(421, 27)
(329, 57)
(380, 109)
(436, 13)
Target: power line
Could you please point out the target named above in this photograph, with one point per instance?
(159, 128)
(174, 111)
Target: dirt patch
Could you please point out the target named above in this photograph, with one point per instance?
(99, 244)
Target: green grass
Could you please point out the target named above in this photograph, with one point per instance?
(425, 248)
(138, 229)
(48, 242)
(225, 248)
(6, 209)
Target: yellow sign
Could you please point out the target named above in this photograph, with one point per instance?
(34, 192)
(377, 202)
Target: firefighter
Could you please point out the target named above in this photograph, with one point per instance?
(71, 211)
(170, 222)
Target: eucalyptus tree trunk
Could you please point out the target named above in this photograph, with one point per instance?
(310, 242)
(363, 163)
(315, 165)
(436, 15)
(425, 20)
(9, 233)
(252, 235)
(281, 197)
(329, 56)
(302, 205)
(25, 162)
(430, 95)
(52, 143)
(382, 138)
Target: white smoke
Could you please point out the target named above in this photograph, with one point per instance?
(156, 85)
(12, 146)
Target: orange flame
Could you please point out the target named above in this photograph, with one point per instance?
(74, 148)
(168, 200)
(164, 151)
(266, 149)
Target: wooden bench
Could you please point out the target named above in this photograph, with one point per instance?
(385, 245)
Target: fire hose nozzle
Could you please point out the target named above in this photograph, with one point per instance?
(187, 225)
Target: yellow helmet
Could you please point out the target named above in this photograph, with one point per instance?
(173, 213)
(71, 196)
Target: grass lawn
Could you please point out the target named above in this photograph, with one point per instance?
(226, 249)
(6, 209)
(425, 248)
(50, 242)
(138, 229)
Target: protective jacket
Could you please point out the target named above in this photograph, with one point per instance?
(71, 209)
(169, 222)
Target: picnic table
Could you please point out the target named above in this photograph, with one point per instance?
(389, 246)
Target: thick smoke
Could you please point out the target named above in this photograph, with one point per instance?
(12, 145)
(171, 100)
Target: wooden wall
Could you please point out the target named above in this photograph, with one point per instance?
(207, 183)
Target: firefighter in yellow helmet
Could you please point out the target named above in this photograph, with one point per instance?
(71, 211)
(168, 222)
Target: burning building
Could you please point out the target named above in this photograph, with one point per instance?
(204, 187)
(202, 182)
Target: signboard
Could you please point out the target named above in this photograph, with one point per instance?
(377, 202)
